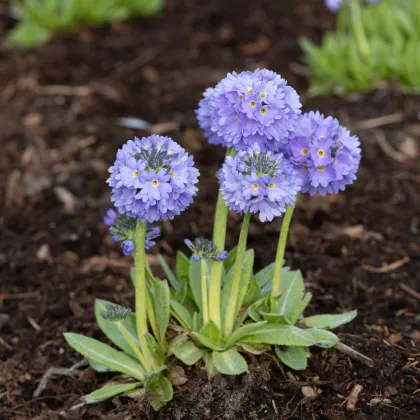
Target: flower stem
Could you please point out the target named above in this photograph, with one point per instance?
(141, 292)
(132, 344)
(281, 247)
(204, 298)
(236, 279)
(357, 24)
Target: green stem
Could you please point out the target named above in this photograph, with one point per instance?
(132, 344)
(236, 280)
(357, 24)
(342, 19)
(216, 268)
(204, 298)
(141, 292)
(281, 247)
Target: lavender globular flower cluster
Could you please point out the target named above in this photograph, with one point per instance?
(153, 179)
(204, 249)
(259, 182)
(325, 153)
(250, 108)
(122, 228)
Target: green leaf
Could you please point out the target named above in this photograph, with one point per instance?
(28, 35)
(181, 314)
(265, 275)
(324, 338)
(282, 335)
(188, 353)
(105, 355)
(296, 312)
(169, 274)
(254, 348)
(182, 266)
(195, 282)
(243, 331)
(274, 318)
(254, 314)
(162, 304)
(230, 362)
(230, 260)
(253, 293)
(159, 391)
(292, 295)
(109, 391)
(211, 331)
(97, 367)
(294, 357)
(111, 330)
(329, 321)
(206, 342)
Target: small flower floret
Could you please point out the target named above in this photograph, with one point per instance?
(249, 108)
(263, 183)
(205, 249)
(115, 313)
(153, 179)
(122, 229)
(325, 153)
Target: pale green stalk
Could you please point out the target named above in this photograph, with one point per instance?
(132, 344)
(204, 298)
(281, 247)
(357, 24)
(141, 292)
(236, 279)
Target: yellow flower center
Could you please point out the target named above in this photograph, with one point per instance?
(172, 174)
(238, 117)
(321, 137)
(263, 95)
(240, 97)
(321, 153)
(321, 168)
(250, 90)
(255, 186)
(136, 173)
(155, 183)
(304, 151)
(252, 103)
(264, 111)
(272, 185)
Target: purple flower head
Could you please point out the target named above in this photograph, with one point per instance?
(259, 182)
(325, 153)
(153, 179)
(249, 108)
(123, 228)
(204, 249)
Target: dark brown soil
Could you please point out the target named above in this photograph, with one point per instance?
(59, 133)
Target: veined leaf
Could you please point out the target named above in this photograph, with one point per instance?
(274, 318)
(182, 266)
(105, 355)
(300, 307)
(230, 362)
(292, 295)
(229, 261)
(243, 331)
(211, 331)
(188, 353)
(109, 391)
(195, 282)
(97, 367)
(111, 330)
(169, 274)
(161, 301)
(329, 321)
(207, 342)
(253, 293)
(324, 338)
(280, 334)
(181, 314)
(254, 314)
(254, 348)
(294, 357)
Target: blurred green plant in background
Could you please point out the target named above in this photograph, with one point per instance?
(39, 20)
(372, 43)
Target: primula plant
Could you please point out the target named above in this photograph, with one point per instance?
(217, 307)
(375, 41)
(39, 20)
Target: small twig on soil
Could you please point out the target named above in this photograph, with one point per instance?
(388, 267)
(63, 412)
(57, 371)
(410, 291)
(387, 149)
(353, 397)
(354, 354)
(372, 123)
(5, 344)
